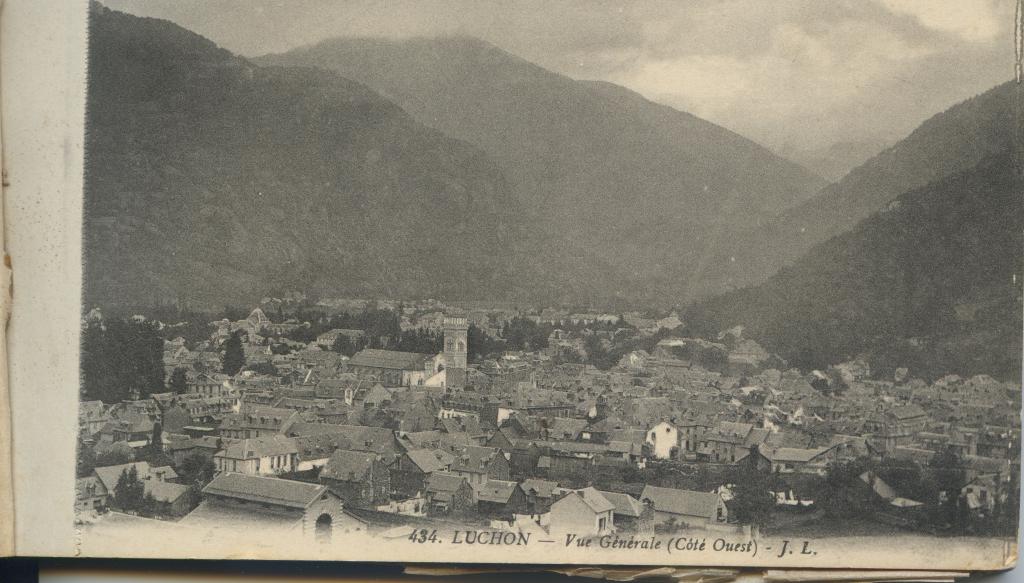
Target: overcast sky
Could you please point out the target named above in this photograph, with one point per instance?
(789, 74)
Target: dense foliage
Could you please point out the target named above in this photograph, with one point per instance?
(121, 358)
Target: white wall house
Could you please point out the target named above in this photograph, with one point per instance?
(663, 438)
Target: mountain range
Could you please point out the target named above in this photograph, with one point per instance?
(449, 168)
(210, 180)
(932, 282)
(596, 166)
(480, 175)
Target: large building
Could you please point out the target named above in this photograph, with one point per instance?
(456, 347)
(411, 369)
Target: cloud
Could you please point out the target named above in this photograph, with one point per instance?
(805, 83)
(971, 20)
(783, 72)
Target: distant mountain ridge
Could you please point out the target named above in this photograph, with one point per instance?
(949, 142)
(210, 180)
(932, 282)
(595, 165)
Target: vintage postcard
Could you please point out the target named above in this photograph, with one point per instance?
(718, 283)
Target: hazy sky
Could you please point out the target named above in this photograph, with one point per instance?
(787, 73)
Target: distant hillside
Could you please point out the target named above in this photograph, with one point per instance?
(211, 180)
(601, 170)
(836, 160)
(933, 282)
(955, 140)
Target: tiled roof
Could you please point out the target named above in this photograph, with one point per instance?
(444, 482)
(541, 488)
(686, 502)
(287, 493)
(595, 500)
(110, 474)
(348, 465)
(498, 491)
(259, 447)
(430, 460)
(625, 505)
(793, 454)
(164, 491)
(388, 359)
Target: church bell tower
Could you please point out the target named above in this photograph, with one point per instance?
(456, 346)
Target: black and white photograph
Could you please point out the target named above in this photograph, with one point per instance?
(721, 282)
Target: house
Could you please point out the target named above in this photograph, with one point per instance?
(274, 454)
(257, 421)
(205, 446)
(789, 460)
(499, 499)
(174, 499)
(478, 464)
(629, 513)
(90, 495)
(272, 506)
(663, 440)
(409, 473)
(109, 475)
(984, 492)
(208, 385)
(730, 441)
(447, 493)
(157, 481)
(539, 495)
(359, 478)
(684, 507)
(584, 513)
(92, 416)
(133, 427)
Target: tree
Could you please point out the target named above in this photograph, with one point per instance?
(129, 490)
(197, 469)
(265, 368)
(178, 383)
(343, 345)
(947, 471)
(753, 501)
(86, 460)
(234, 356)
(845, 494)
(121, 359)
(114, 454)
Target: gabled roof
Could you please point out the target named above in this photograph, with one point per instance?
(109, 475)
(348, 465)
(472, 458)
(540, 488)
(793, 454)
(497, 491)
(258, 447)
(685, 502)
(388, 359)
(430, 460)
(625, 505)
(595, 500)
(164, 491)
(444, 482)
(275, 491)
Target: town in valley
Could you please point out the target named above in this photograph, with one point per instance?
(497, 423)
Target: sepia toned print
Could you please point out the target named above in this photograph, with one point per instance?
(716, 283)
